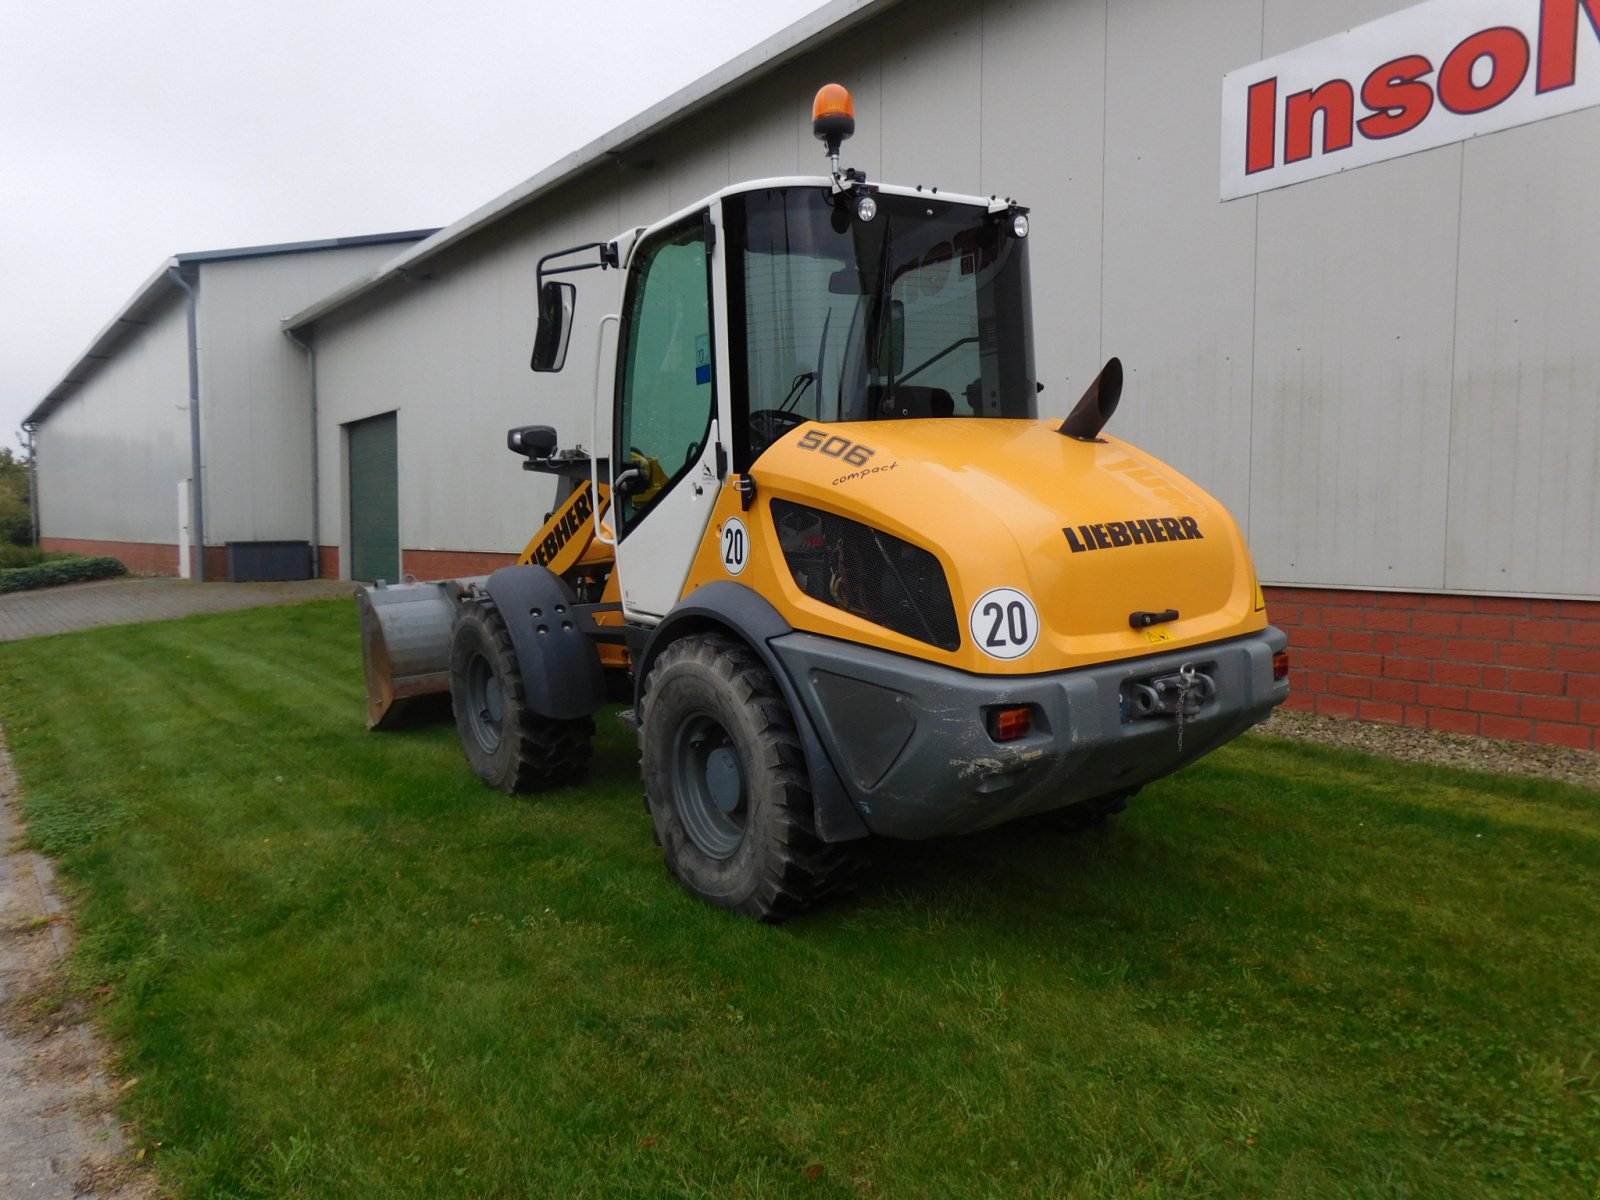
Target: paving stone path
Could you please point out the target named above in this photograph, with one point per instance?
(129, 601)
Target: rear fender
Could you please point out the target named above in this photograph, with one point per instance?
(745, 614)
(560, 664)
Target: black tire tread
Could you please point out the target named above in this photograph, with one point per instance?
(801, 870)
(544, 753)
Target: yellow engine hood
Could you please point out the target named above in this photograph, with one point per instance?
(1090, 533)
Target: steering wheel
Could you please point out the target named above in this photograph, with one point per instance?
(767, 425)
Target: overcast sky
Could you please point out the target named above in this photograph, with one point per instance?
(133, 130)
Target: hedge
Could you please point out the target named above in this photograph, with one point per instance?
(59, 571)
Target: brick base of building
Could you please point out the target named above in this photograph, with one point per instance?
(216, 564)
(1526, 670)
(452, 564)
(142, 558)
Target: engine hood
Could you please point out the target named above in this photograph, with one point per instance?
(1052, 547)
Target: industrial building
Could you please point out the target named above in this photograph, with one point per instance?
(193, 379)
(1341, 250)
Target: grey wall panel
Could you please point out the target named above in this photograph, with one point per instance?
(255, 416)
(1287, 24)
(111, 457)
(931, 103)
(1525, 427)
(1043, 143)
(1178, 266)
(766, 140)
(698, 168)
(1354, 329)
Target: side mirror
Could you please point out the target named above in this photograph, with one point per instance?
(556, 304)
(534, 442)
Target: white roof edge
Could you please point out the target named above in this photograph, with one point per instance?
(149, 292)
(786, 45)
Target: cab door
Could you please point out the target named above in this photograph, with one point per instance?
(666, 458)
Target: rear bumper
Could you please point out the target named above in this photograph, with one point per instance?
(911, 742)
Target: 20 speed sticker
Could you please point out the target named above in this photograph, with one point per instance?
(1004, 623)
(735, 546)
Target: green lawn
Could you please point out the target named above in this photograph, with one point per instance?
(338, 967)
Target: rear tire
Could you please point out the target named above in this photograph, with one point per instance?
(511, 748)
(726, 784)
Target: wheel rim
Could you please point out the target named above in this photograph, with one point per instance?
(709, 784)
(485, 708)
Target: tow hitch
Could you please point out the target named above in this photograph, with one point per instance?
(1182, 693)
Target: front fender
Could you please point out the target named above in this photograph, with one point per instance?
(560, 665)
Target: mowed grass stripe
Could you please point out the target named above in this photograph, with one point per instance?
(339, 967)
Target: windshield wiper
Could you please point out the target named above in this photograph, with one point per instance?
(797, 389)
(950, 349)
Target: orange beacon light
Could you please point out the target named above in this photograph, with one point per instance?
(833, 118)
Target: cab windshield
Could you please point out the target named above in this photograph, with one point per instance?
(920, 312)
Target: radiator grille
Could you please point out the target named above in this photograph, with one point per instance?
(867, 572)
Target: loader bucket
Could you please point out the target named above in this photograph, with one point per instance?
(405, 642)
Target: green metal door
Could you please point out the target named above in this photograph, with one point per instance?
(374, 499)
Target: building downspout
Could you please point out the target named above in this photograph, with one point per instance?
(29, 428)
(306, 344)
(176, 275)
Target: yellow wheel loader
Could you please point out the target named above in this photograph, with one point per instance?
(853, 583)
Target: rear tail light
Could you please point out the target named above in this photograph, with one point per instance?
(1280, 665)
(1009, 724)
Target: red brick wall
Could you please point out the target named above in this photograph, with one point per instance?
(328, 562)
(216, 564)
(1527, 670)
(452, 564)
(144, 558)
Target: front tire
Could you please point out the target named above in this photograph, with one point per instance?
(510, 747)
(726, 784)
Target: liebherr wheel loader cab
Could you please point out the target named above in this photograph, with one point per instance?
(858, 584)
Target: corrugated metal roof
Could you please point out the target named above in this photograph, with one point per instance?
(159, 288)
(811, 30)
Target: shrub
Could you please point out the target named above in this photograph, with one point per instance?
(59, 571)
(12, 556)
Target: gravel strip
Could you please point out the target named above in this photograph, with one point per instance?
(1581, 768)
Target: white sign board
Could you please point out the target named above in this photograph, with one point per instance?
(1427, 76)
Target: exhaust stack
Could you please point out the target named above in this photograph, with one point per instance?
(1093, 411)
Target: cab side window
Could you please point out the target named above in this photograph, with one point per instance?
(667, 389)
